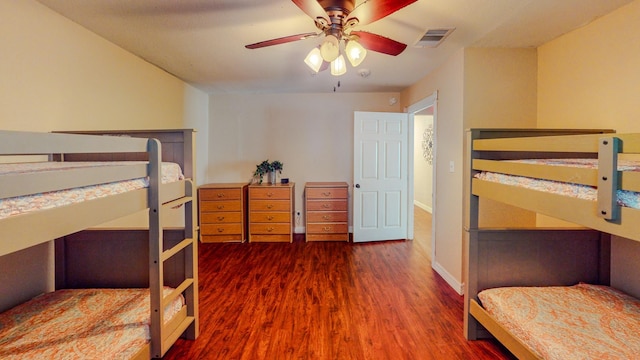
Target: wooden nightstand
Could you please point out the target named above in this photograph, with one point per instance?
(327, 213)
(223, 209)
(271, 212)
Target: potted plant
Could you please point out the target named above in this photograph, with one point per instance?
(266, 167)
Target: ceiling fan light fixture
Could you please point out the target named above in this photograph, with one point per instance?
(314, 59)
(330, 48)
(338, 66)
(355, 52)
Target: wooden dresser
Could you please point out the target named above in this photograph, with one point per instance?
(271, 212)
(327, 212)
(223, 211)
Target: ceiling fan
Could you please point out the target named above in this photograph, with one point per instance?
(335, 20)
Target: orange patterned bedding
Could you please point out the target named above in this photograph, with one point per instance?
(80, 324)
(24, 204)
(576, 322)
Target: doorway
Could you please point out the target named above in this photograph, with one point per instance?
(422, 185)
(423, 178)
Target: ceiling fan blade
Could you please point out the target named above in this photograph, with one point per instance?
(379, 43)
(312, 8)
(281, 40)
(374, 10)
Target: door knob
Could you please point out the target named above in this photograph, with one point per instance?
(358, 186)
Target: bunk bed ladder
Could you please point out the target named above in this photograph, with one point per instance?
(164, 335)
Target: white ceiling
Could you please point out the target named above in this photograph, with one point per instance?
(202, 41)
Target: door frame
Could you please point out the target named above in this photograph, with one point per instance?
(429, 101)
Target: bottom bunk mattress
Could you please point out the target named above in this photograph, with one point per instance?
(575, 322)
(80, 324)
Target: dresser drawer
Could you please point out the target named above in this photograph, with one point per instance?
(226, 205)
(221, 217)
(327, 228)
(327, 237)
(328, 205)
(270, 217)
(269, 193)
(327, 193)
(270, 205)
(221, 238)
(221, 194)
(221, 229)
(260, 228)
(327, 216)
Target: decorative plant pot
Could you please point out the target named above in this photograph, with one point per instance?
(272, 177)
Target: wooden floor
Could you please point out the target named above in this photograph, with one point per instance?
(327, 300)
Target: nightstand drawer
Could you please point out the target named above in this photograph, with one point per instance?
(270, 217)
(327, 205)
(221, 217)
(221, 194)
(270, 205)
(227, 205)
(269, 193)
(327, 193)
(327, 216)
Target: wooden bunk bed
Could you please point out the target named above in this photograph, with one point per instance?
(161, 260)
(543, 258)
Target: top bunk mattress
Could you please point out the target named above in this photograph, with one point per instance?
(12, 206)
(575, 322)
(624, 198)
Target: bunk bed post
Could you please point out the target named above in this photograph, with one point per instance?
(191, 232)
(156, 272)
(469, 245)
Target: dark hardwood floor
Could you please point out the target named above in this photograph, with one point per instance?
(327, 300)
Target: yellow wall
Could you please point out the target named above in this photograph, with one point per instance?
(57, 75)
(590, 78)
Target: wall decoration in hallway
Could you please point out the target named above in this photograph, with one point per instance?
(427, 145)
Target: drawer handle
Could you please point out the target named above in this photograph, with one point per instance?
(327, 228)
(269, 217)
(269, 206)
(328, 193)
(326, 206)
(327, 217)
(220, 207)
(220, 230)
(220, 195)
(220, 218)
(269, 194)
(270, 229)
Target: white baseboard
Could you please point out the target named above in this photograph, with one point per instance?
(422, 206)
(455, 284)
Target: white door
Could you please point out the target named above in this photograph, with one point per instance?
(380, 176)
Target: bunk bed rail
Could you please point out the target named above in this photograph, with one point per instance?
(486, 154)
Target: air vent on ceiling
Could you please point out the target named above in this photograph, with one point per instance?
(433, 37)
